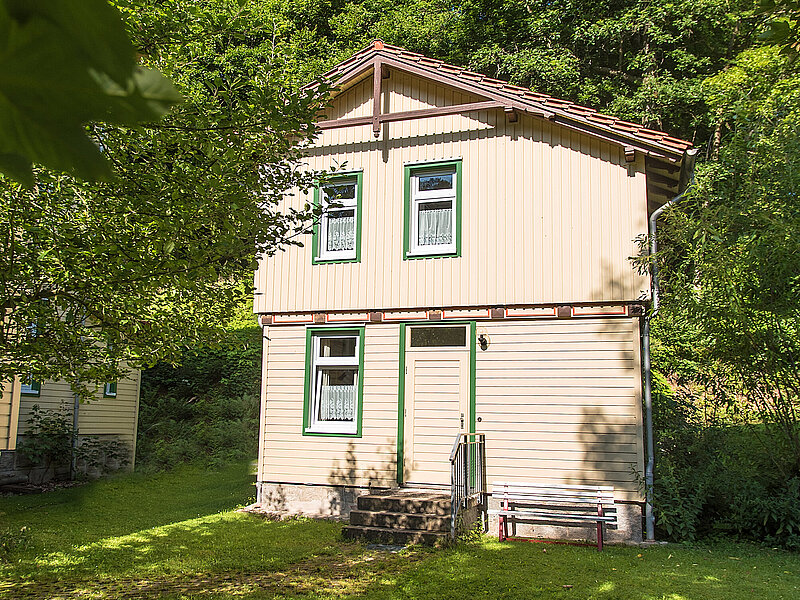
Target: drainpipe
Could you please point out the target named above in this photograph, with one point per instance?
(650, 522)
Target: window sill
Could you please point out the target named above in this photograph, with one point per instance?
(331, 261)
(317, 432)
(443, 254)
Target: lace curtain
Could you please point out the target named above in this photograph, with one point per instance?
(435, 226)
(341, 231)
(336, 402)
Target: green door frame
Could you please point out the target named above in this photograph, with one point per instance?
(401, 385)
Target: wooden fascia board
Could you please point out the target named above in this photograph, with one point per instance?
(527, 106)
(408, 115)
(460, 84)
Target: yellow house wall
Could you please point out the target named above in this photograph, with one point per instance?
(116, 417)
(288, 456)
(9, 414)
(559, 402)
(549, 215)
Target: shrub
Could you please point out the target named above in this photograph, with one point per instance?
(49, 439)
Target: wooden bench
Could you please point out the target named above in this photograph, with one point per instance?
(564, 505)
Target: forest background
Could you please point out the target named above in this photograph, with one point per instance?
(727, 337)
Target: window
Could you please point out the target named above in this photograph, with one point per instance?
(334, 370)
(433, 205)
(438, 337)
(30, 387)
(337, 238)
(110, 390)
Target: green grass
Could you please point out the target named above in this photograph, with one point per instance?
(175, 536)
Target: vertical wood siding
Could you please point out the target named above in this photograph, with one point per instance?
(549, 215)
(289, 456)
(560, 402)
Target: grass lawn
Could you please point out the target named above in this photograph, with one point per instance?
(175, 536)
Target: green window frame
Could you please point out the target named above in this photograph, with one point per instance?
(413, 200)
(110, 389)
(315, 365)
(30, 388)
(320, 254)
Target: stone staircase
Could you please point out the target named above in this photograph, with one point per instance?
(404, 516)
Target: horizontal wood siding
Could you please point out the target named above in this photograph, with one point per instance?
(101, 416)
(288, 456)
(9, 411)
(549, 215)
(560, 402)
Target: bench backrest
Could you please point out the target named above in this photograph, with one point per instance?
(555, 494)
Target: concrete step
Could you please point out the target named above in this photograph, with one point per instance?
(400, 520)
(385, 535)
(405, 501)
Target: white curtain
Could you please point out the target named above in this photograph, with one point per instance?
(337, 402)
(341, 231)
(435, 226)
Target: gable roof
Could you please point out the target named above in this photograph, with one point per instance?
(655, 143)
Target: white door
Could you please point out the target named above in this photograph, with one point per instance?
(437, 400)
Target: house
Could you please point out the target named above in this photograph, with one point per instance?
(112, 416)
(473, 275)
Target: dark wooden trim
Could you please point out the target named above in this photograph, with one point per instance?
(636, 310)
(511, 114)
(564, 312)
(497, 313)
(408, 115)
(653, 163)
(375, 317)
(319, 318)
(435, 315)
(377, 82)
(630, 154)
(651, 187)
(266, 319)
(458, 83)
(662, 179)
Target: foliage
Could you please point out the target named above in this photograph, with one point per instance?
(94, 276)
(64, 64)
(782, 25)
(731, 266)
(102, 455)
(48, 441)
(207, 408)
(13, 540)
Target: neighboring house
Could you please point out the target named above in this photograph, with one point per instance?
(111, 416)
(474, 276)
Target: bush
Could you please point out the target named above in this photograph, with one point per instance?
(206, 409)
(49, 439)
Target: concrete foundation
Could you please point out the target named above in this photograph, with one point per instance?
(628, 530)
(309, 500)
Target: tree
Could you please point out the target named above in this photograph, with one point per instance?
(732, 265)
(142, 266)
(63, 64)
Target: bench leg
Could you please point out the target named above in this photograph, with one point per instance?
(502, 533)
(599, 536)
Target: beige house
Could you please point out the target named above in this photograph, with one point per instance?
(111, 415)
(473, 275)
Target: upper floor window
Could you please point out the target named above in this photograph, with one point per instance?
(110, 389)
(337, 238)
(433, 206)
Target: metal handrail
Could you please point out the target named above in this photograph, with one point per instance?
(467, 475)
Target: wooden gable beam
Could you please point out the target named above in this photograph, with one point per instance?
(408, 115)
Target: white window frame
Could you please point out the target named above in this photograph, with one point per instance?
(418, 197)
(317, 364)
(107, 391)
(342, 204)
